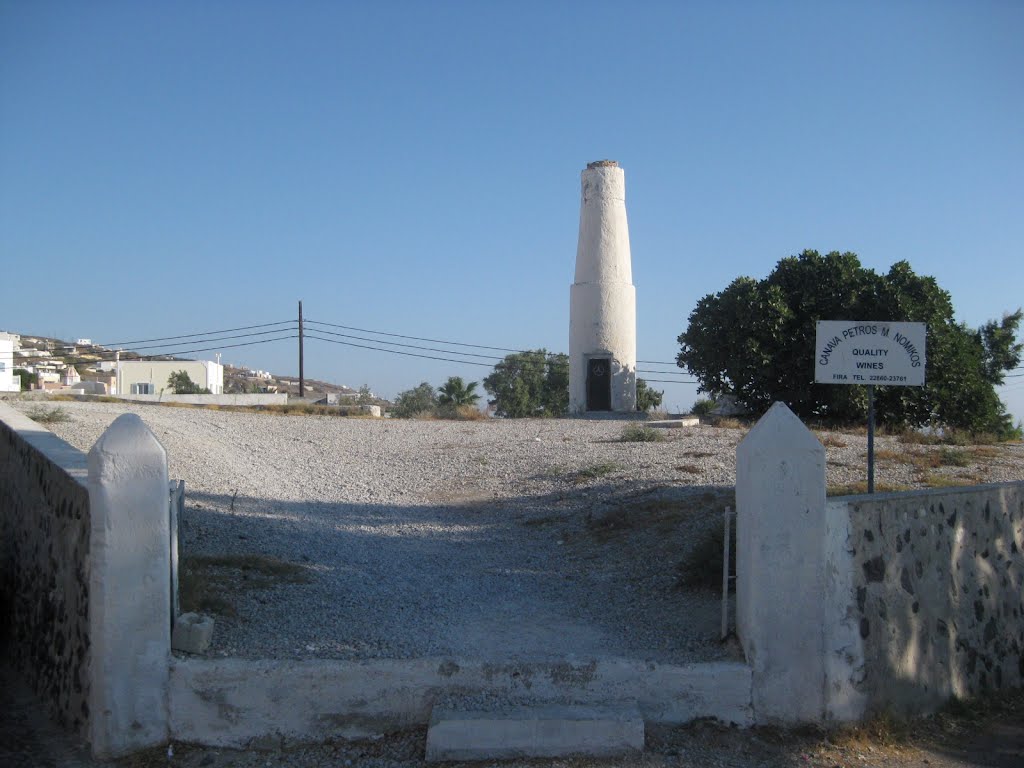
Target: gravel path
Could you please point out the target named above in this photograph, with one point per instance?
(494, 539)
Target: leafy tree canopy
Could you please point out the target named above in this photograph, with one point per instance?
(181, 383)
(755, 341)
(647, 398)
(412, 402)
(456, 392)
(533, 383)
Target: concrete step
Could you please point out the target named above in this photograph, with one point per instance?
(543, 731)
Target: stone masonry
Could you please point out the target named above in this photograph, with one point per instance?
(44, 576)
(938, 580)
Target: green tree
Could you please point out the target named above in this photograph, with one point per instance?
(180, 383)
(27, 379)
(456, 392)
(533, 383)
(755, 341)
(413, 402)
(647, 398)
(365, 395)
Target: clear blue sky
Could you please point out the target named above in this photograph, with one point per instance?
(173, 168)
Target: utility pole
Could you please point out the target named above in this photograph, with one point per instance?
(302, 378)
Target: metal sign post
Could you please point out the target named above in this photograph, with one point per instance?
(871, 438)
(870, 352)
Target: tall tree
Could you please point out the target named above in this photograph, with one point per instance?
(533, 383)
(755, 341)
(412, 402)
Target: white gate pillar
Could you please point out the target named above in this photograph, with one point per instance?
(129, 589)
(780, 566)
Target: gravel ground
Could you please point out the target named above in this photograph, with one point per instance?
(529, 539)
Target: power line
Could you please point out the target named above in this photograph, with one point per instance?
(443, 341)
(194, 335)
(662, 373)
(416, 338)
(553, 363)
(232, 346)
(397, 352)
(670, 381)
(75, 360)
(409, 346)
(78, 360)
(209, 341)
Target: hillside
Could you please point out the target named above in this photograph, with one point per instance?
(47, 358)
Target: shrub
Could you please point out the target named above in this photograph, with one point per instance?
(646, 398)
(703, 407)
(594, 471)
(641, 433)
(460, 412)
(180, 383)
(44, 415)
(702, 566)
(27, 379)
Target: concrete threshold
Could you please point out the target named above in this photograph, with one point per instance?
(686, 421)
(549, 731)
(233, 702)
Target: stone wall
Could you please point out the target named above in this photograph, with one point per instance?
(861, 604)
(44, 564)
(938, 593)
(85, 577)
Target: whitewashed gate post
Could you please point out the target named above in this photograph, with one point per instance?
(780, 566)
(129, 602)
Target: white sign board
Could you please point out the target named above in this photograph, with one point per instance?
(873, 352)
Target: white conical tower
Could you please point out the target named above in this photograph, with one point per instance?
(602, 300)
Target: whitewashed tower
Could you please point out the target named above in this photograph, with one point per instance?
(602, 300)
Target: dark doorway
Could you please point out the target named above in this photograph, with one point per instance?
(599, 384)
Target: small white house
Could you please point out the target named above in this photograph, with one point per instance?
(149, 377)
(8, 381)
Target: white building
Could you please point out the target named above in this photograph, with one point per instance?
(602, 300)
(8, 381)
(149, 377)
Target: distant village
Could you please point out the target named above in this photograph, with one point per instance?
(39, 363)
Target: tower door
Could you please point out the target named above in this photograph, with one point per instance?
(599, 384)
